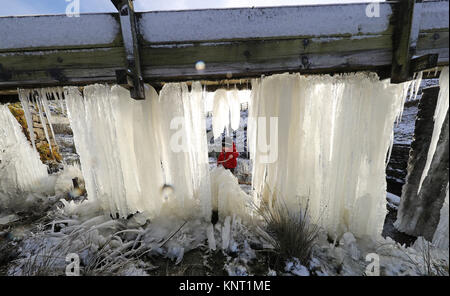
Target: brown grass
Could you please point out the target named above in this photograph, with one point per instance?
(291, 233)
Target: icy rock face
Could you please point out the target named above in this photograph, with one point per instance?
(333, 137)
(440, 237)
(425, 191)
(20, 166)
(132, 151)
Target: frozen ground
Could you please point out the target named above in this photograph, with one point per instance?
(37, 244)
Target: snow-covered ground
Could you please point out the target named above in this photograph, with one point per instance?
(138, 246)
(404, 130)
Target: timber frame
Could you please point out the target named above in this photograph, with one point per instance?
(40, 51)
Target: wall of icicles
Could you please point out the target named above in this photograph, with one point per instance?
(316, 141)
(130, 151)
(334, 134)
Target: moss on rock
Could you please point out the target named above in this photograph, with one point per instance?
(42, 145)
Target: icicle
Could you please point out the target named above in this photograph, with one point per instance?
(391, 146)
(235, 108)
(210, 236)
(199, 147)
(417, 82)
(412, 87)
(38, 100)
(406, 90)
(48, 114)
(221, 111)
(226, 232)
(24, 96)
(439, 117)
(59, 93)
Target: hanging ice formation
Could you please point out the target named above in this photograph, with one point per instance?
(321, 142)
(20, 166)
(23, 97)
(39, 99)
(439, 117)
(226, 111)
(179, 118)
(144, 156)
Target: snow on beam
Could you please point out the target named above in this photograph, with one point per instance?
(243, 42)
(58, 31)
(258, 23)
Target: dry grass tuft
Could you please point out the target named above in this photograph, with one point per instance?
(291, 233)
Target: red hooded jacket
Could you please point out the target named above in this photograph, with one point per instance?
(231, 163)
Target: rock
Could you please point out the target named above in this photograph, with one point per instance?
(37, 125)
(40, 135)
(51, 158)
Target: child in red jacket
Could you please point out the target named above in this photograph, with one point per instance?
(228, 157)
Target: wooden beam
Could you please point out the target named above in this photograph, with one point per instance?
(131, 77)
(233, 43)
(404, 39)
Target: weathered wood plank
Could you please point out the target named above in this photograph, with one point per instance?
(64, 59)
(258, 50)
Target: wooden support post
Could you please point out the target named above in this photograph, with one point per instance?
(405, 38)
(131, 78)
